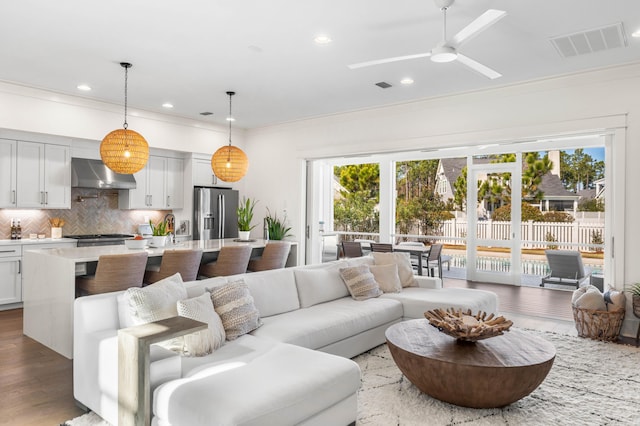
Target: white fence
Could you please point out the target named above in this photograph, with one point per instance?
(579, 235)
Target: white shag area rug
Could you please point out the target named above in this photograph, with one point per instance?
(590, 383)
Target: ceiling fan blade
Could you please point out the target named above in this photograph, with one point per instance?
(388, 60)
(478, 67)
(480, 24)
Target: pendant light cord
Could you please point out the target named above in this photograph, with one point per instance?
(126, 67)
(230, 118)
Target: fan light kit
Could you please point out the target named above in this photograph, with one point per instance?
(447, 49)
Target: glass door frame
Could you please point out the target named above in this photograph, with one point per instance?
(473, 241)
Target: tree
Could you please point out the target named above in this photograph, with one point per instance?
(529, 212)
(579, 170)
(496, 189)
(417, 203)
(356, 210)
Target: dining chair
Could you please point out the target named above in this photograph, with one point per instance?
(382, 247)
(274, 256)
(434, 260)
(114, 272)
(414, 257)
(186, 262)
(351, 249)
(231, 260)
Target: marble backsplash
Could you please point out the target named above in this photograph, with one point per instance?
(92, 212)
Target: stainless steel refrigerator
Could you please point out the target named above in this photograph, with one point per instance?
(215, 213)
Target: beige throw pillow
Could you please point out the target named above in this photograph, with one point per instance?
(235, 305)
(206, 341)
(360, 282)
(403, 261)
(387, 277)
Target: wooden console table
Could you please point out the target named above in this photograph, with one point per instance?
(489, 373)
(134, 399)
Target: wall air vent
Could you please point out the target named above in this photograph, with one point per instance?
(383, 85)
(590, 41)
(206, 113)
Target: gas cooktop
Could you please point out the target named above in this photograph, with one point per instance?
(98, 236)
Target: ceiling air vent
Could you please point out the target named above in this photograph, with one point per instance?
(383, 85)
(206, 113)
(590, 41)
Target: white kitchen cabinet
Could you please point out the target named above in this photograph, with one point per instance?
(175, 183)
(43, 176)
(158, 186)
(202, 173)
(8, 156)
(10, 274)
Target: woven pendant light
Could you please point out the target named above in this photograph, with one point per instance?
(122, 150)
(229, 163)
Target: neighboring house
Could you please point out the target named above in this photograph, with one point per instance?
(556, 196)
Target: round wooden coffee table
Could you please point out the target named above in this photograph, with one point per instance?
(489, 373)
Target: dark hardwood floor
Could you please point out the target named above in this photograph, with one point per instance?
(36, 383)
(532, 301)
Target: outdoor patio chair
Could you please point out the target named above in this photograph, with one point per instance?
(566, 268)
(382, 247)
(351, 249)
(434, 260)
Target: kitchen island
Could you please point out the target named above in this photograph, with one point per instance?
(48, 283)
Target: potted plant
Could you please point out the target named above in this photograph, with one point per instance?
(635, 295)
(158, 233)
(276, 228)
(245, 216)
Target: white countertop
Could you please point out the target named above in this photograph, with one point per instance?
(89, 254)
(27, 241)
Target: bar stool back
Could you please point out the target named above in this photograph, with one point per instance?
(274, 256)
(231, 260)
(186, 262)
(115, 272)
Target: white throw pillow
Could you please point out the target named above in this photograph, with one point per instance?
(360, 282)
(156, 301)
(387, 277)
(614, 299)
(403, 261)
(202, 342)
(234, 303)
(591, 299)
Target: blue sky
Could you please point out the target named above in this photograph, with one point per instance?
(596, 153)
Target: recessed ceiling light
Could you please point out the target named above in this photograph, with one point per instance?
(322, 39)
(406, 81)
(167, 105)
(84, 87)
(231, 119)
(636, 34)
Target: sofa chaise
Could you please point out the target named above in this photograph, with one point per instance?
(293, 369)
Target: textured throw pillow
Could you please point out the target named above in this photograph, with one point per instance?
(591, 299)
(403, 261)
(387, 277)
(234, 303)
(360, 282)
(156, 301)
(202, 342)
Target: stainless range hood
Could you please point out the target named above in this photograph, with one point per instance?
(86, 173)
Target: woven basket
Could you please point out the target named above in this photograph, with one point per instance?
(598, 325)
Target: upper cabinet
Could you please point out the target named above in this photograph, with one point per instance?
(8, 156)
(158, 186)
(202, 173)
(35, 175)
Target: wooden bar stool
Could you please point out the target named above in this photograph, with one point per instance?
(115, 272)
(186, 262)
(231, 260)
(274, 256)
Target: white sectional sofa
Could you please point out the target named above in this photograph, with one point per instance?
(294, 369)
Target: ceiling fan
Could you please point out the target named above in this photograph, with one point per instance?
(447, 50)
